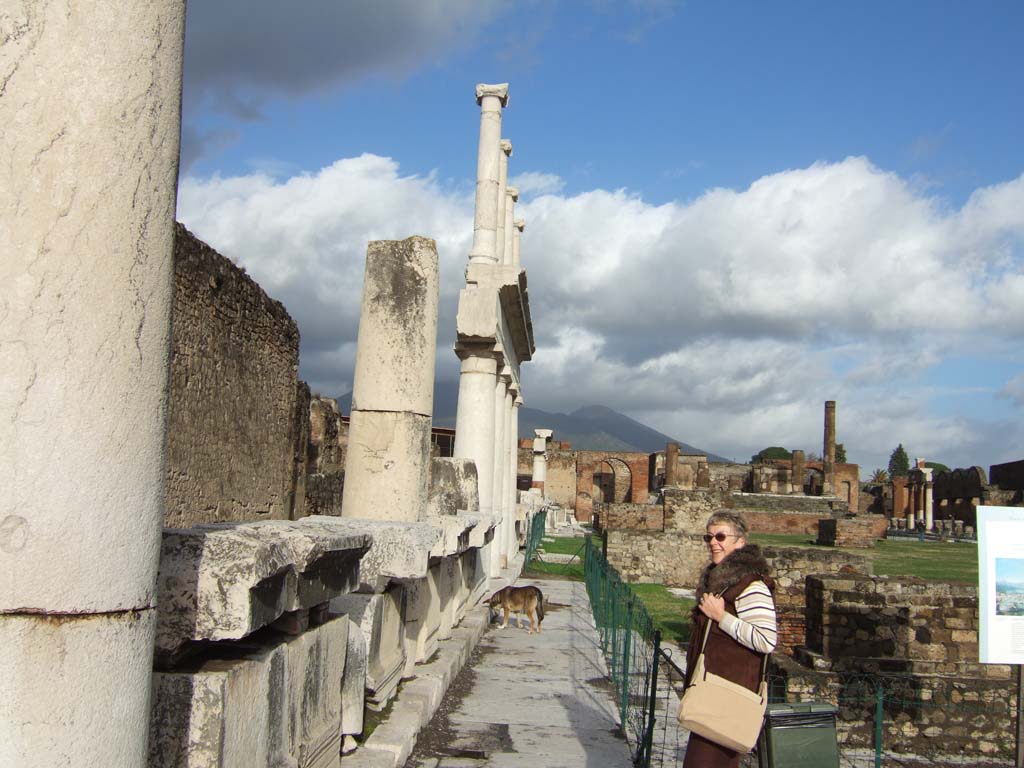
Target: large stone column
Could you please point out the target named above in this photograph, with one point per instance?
(513, 443)
(90, 109)
(508, 478)
(671, 463)
(828, 453)
(540, 458)
(491, 98)
(511, 198)
(387, 470)
(929, 514)
(799, 471)
(520, 225)
(500, 463)
(474, 424)
(503, 256)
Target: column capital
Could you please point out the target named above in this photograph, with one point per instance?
(512, 192)
(506, 146)
(520, 224)
(500, 90)
(518, 402)
(505, 374)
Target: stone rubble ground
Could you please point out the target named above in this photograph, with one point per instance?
(541, 700)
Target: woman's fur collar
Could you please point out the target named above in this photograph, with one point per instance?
(740, 563)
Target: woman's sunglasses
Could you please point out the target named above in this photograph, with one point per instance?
(719, 537)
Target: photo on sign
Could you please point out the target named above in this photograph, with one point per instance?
(1009, 586)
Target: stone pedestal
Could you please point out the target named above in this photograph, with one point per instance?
(277, 702)
(91, 121)
(381, 619)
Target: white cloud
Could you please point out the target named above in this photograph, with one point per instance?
(726, 321)
(1013, 390)
(533, 183)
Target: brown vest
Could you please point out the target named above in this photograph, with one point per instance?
(723, 656)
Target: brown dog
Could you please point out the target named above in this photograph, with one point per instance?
(528, 600)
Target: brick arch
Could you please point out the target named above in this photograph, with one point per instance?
(620, 475)
(588, 461)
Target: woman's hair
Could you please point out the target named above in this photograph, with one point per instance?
(735, 520)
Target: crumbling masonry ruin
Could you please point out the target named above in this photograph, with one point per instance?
(169, 599)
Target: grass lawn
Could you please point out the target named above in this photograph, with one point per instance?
(670, 614)
(567, 571)
(931, 560)
(564, 545)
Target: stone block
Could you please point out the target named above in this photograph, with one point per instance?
(454, 486)
(353, 685)
(224, 581)
(277, 704)
(381, 618)
(400, 550)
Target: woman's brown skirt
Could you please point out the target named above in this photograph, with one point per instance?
(701, 753)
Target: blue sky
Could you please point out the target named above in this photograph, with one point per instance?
(735, 211)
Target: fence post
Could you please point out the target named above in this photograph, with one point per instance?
(626, 643)
(644, 760)
(879, 697)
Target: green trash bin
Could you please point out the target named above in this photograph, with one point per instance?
(799, 736)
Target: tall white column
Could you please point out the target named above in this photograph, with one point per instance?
(520, 225)
(926, 489)
(474, 421)
(513, 444)
(511, 541)
(491, 98)
(387, 466)
(511, 198)
(540, 459)
(506, 152)
(499, 505)
(88, 171)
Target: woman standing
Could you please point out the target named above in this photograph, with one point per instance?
(734, 595)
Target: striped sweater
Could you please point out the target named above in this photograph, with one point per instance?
(754, 625)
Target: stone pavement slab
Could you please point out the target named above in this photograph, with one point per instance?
(539, 701)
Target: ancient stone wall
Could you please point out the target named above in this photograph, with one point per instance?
(688, 510)
(560, 485)
(672, 558)
(790, 566)
(858, 532)
(234, 415)
(728, 476)
(646, 517)
(328, 441)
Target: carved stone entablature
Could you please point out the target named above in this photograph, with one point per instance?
(477, 318)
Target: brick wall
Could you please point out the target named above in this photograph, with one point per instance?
(234, 410)
(560, 485)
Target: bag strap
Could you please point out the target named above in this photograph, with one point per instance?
(704, 642)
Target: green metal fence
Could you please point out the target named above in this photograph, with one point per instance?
(534, 536)
(888, 718)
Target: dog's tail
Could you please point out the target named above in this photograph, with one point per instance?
(540, 608)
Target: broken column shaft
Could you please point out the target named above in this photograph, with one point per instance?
(828, 454)
(387, 471)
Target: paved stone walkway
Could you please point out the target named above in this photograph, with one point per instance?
(530, 701)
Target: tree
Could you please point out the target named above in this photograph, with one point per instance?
(936, 467)
(879, 477)
(840, 453)
(899, 462)
(775, 452)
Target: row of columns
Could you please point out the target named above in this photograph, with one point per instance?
(912, 497)
(487, 419)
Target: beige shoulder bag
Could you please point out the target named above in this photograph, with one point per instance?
(720, 710)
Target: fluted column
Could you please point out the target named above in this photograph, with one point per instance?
(520, 225)
(492, 99)
(511, 198)
(506, 152)
(90, 109)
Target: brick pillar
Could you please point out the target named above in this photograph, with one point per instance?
(799, 471)
(671, 463)
(828, 454)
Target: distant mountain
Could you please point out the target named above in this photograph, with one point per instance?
(592, 428)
